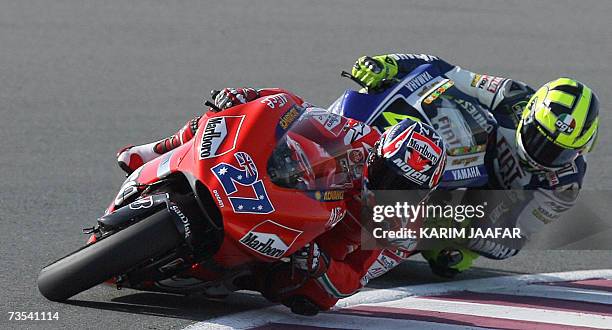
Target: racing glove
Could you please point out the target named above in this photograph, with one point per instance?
(229, 97)
(449, 262)
(311, 259)
(371, 71)
(282, 284)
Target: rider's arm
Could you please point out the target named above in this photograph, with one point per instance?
(481, 86)
(408, 62)
(489, 90)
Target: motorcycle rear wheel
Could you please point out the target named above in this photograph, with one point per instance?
(109, 257)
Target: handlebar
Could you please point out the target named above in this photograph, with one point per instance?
(213, 95)
(385, 83)
(351, 77)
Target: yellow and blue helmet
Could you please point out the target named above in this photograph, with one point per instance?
(558, 124)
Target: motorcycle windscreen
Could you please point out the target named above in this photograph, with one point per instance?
(459, 119)
(465, 126)
(312, 155)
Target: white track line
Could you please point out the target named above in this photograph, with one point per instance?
(263, 316)
(503, 312)
(282, 316)
(557, 292)
(364, 322)
(490, 284)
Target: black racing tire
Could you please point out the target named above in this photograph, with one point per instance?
(109, 257)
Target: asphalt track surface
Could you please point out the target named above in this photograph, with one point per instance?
(79, 79)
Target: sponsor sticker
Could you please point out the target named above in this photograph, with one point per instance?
(287, 119)
(274, 101)
(466, 160)
(425, 147)
(384, 263)
(475, 80)
(544, 215)
(329, 195)
(552, 178)
(220, 136)
(418, 81)
(458, 151)
(336, 215)
(332, 122)
(494, 85)
(436, 94)
(481, 117)
(218, 198)
(483, 81)
(566, 123)
(356, 156)
(270, 239)
(466, 173)
(184, 220)
(428, 87)
(517, 110)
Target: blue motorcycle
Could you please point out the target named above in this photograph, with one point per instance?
(428, 96)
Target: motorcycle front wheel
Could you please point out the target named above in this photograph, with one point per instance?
(109, 257)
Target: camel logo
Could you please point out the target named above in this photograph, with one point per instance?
(270, 239)
(220, 136)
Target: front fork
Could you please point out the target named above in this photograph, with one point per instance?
(183, 211)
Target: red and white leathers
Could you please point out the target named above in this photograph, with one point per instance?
(349, 267)
(132, 157)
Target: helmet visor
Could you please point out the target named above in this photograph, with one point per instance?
(543, 151)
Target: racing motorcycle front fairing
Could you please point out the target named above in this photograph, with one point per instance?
(228, 168)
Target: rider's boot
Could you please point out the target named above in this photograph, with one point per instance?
(132, 157)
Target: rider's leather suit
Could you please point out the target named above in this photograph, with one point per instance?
(549, 193)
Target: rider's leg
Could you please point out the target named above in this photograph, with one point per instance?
(132, 157)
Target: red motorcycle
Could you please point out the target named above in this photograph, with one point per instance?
(250, 189)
